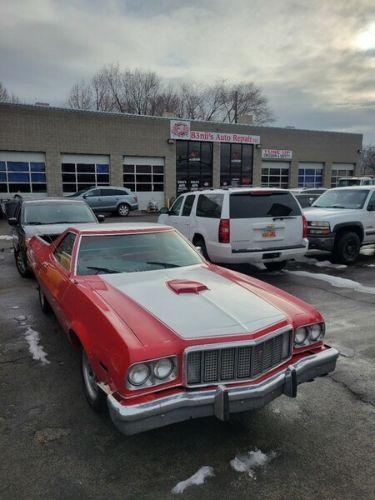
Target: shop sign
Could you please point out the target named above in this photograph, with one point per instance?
(277, 154)
(180, 129)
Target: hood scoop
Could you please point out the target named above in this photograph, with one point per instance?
(185, 286)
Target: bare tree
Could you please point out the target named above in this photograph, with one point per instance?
(5, 96)
(145, 93)
(368, 160)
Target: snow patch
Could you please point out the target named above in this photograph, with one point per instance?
(6, 237)
(335, 281)
(251, 460)
(198, 478)
(20, 318)
(37, 351)
(15, 307)
(370, 265)
(319, 263)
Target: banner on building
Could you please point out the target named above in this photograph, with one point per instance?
(277, 154)
(180, 129)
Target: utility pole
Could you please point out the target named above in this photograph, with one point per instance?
(235, 106)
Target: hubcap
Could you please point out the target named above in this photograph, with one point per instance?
(124, 210)
(89, 378)
(351, 249)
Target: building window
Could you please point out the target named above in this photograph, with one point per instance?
(236, 164)
(311, 177)
(275, 174)
(193, 165)
(80, 176)
(143, 178)
(341, 170)
(22, 176)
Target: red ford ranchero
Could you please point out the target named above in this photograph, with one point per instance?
(165, 335)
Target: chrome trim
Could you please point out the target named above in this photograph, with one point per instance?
(239, 343)
(184, 405)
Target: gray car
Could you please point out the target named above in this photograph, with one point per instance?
(117, 200)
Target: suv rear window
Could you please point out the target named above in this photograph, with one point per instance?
(209, 205)
(275, 204)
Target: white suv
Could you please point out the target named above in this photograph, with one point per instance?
(241, 225)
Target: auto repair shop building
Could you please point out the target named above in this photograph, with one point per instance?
(56, 151)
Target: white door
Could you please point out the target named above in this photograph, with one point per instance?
(185, 219)
(370, 220)
(172, 218)
(264, 220)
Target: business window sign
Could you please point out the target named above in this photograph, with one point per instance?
(277, 154)
(180, 129)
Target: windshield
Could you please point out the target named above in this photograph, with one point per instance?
(345, 198)
(129, 253)
(349, 182)
(57, 213)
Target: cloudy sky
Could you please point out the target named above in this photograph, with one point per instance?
(315, 59)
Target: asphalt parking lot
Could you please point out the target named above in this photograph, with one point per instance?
(322, 444)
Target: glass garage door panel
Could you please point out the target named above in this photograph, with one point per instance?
(22, 172)
(81, 172)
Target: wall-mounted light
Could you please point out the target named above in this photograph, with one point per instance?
(258, 146)
(170, 141)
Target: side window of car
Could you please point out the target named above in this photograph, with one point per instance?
(175, 209)
(209, 205)
(93, 192)
(64, 250)
(188, 205)
(371, 203)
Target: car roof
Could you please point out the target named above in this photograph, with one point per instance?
(358, 188)
(237, 190)
(123, 228)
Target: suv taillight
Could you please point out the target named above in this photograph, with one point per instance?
(224, 231)
(304, 232)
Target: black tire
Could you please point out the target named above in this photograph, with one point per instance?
(347, 247)
(199, 242)
(275, 266)
(44, 304)
(96, 398)
(21, 264)
(123, 210)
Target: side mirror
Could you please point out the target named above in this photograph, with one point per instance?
(164, 210)
(84, 196)
(12, 221)
(199, 250)
(101, 218)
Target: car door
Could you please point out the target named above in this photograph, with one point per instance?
(94, 198)
(172, 218)
(185, 217)
(369, 214)
(55, 277)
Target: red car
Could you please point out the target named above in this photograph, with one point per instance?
(165, 335)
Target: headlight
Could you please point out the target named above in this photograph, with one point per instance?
(163, 368)
(139, 374)
(319, 227)
(150, 373)
(307, 335)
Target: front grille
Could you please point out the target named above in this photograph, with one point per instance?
(239, 362)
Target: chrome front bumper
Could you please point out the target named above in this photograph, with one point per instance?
(220, 401)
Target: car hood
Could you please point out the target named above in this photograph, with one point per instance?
(220, 307)
(321, 214)
(47, 228)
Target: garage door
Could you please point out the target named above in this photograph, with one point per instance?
(341, 170)
(144, 175)
(310, 174)
(84, 171)
(23, 173)
(275, 174)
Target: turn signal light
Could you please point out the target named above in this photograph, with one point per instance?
(224, 231)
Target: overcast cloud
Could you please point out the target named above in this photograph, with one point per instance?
(314, 59)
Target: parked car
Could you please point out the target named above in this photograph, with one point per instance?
(241, 225)
(355, 181)
(306, 197)
(341, 221)
(166, 336)
(117, 200)
(48, 218)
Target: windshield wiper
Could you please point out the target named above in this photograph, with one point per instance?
(104, 269)
(163, 264)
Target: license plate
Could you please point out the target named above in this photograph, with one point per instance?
(269, 233)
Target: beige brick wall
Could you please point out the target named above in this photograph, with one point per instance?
(56, 131)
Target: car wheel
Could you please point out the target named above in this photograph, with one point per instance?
(21, 264)
(44, 304)
(123, 210)
(347, 248)
(94, 395)
(199, 242)
(275, 266)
